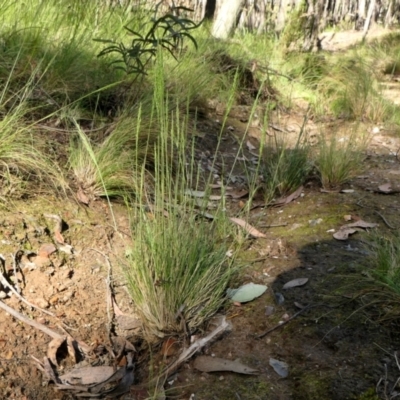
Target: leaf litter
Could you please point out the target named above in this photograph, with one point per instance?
(213, 364)
(349, 229)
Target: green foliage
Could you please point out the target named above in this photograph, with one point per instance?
(338, 160)
(285, 169)
(386, 260)
(294, 29)
(177, 273)
(351, 90)
(177, 268)
(168, 32)
(101, 170)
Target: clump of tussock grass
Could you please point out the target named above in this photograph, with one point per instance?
(351, 90)
(338, 160)
(377, 287)
(177, 273)
(386, 261)
(111, 167)
(177, 269)
(284, 168)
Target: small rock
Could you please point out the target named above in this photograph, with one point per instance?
(269, 310)
(41, 302)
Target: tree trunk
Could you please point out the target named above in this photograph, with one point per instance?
(226, 18)
(369, 16)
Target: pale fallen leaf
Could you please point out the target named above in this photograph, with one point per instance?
(72, 348)
(211, 364)
(66, 248)
(385, 188)
(87, 375)
(195, 193)
(250, 229)
(347, 191)
(82, 197)
(170, 347)
(360, 224)
(290, 198)
(269, 310)
(343, 234)
(128, 322)
(238, 195)
(246, 293)
(295, 282)
(46, 250)
(280, 367)
(57, 228)
(54, 345)
(347, 217)
(219, 186)
(250, 146)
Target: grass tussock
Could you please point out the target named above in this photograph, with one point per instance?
(338, 160)
(285, 169)
(378, 289)
(177, 273)
(386, 261)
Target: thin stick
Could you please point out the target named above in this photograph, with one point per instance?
(260, 336)
(15, 273)
(384, 220)
(272, 225)
(190, 351)
(109, 299)
(30, 322)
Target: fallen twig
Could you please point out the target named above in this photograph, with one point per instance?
(260, 336)
(384, 220)
(30, 322)
(190, 351)
(109, 299)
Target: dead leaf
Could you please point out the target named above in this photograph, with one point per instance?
(280, 367)
(195, 193)
(170, 347)
(343, 234)
(238, 195)
(360, 224)
(82, 197)
(72, 348)
(250, 146)
(219, 186)
(49, 370)
(347, 217)
(57, 228)
(128, 322)
(290, 198)
(295, 282)
(46, 250)
(385, 188)
(250, 229)
(54, 345)
(215, 197)
(87, 375)
(211, 364)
